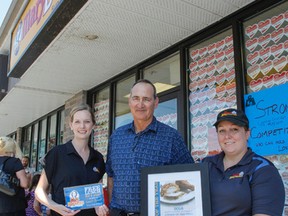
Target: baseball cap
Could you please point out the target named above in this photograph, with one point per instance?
(235, 116)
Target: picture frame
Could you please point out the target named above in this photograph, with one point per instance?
(175, 190)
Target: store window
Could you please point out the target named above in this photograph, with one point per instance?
(62, 125)
(26, 141)
(165, 75)
(123, 114)
(266, 58)
(101, 129)
(52, 132)
(266, 45)
(34, 146)
(166, 112)
(265, 101)
(42, 144)
(212, 88)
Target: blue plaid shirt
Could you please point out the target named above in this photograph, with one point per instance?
(128, 152)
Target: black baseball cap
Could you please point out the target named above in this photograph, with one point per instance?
(235, 116)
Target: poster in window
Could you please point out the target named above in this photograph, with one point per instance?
(267, 111)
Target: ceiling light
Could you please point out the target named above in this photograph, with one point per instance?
(91, 37)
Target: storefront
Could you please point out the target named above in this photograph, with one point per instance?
(241, 61)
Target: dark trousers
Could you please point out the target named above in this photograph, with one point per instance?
(119, 212)
(19, 213)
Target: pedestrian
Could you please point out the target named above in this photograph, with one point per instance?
(142, 143)
(72, 164)
(28, 170)
(30, 197)
(242, 182)
(10, 155)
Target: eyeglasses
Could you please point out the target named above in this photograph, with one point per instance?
(230, 132)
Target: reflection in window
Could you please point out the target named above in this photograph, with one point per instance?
(165, 74)
(123, 115)
(101, 129)
(27, 141)
(166, 113)
(52, 132)
(42, 144)
(62, 124)
(34, 146)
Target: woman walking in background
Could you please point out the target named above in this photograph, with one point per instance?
(10, 155)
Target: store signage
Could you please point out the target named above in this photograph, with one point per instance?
(33, 19)
(267, 111)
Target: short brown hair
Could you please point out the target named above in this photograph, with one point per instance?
(147, 82)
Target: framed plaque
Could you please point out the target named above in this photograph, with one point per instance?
(175, 190)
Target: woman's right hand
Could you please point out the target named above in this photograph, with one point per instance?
(63, 210)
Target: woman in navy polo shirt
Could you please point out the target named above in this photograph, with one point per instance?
(74, 163)
(242, 182)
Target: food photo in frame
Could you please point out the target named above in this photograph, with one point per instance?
(175, 190)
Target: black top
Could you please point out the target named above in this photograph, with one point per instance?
(64, 167)
(9, 204)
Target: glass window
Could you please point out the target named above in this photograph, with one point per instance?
(212, 88)
(42, 144)
(52, 132)
(166, 113)
(27, 141)
(123, 115)
(101, 129)
(165, 74)
(266, 45)
(62, 125)
(34, 146)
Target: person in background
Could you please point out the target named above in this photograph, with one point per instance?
(30, 197)
(11, 154)
(39, 207)
(144, 142)
(242, 182)
(29, 171)
(72, 164)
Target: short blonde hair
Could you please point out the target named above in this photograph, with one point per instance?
(9, 145)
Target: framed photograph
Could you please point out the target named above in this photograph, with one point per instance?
(175, 190)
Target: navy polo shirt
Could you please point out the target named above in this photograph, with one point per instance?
(64, 167)
(128, 152)
(253, 186)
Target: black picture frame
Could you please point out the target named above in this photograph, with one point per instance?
(160, 196)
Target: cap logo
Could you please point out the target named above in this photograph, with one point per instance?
(234, 113)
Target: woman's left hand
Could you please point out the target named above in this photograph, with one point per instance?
(102, 210)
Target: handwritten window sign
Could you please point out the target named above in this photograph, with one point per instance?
(267, 111)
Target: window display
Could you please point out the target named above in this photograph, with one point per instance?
(212, 88)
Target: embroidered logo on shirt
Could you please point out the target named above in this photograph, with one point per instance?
(237, 175)
(95, 169)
